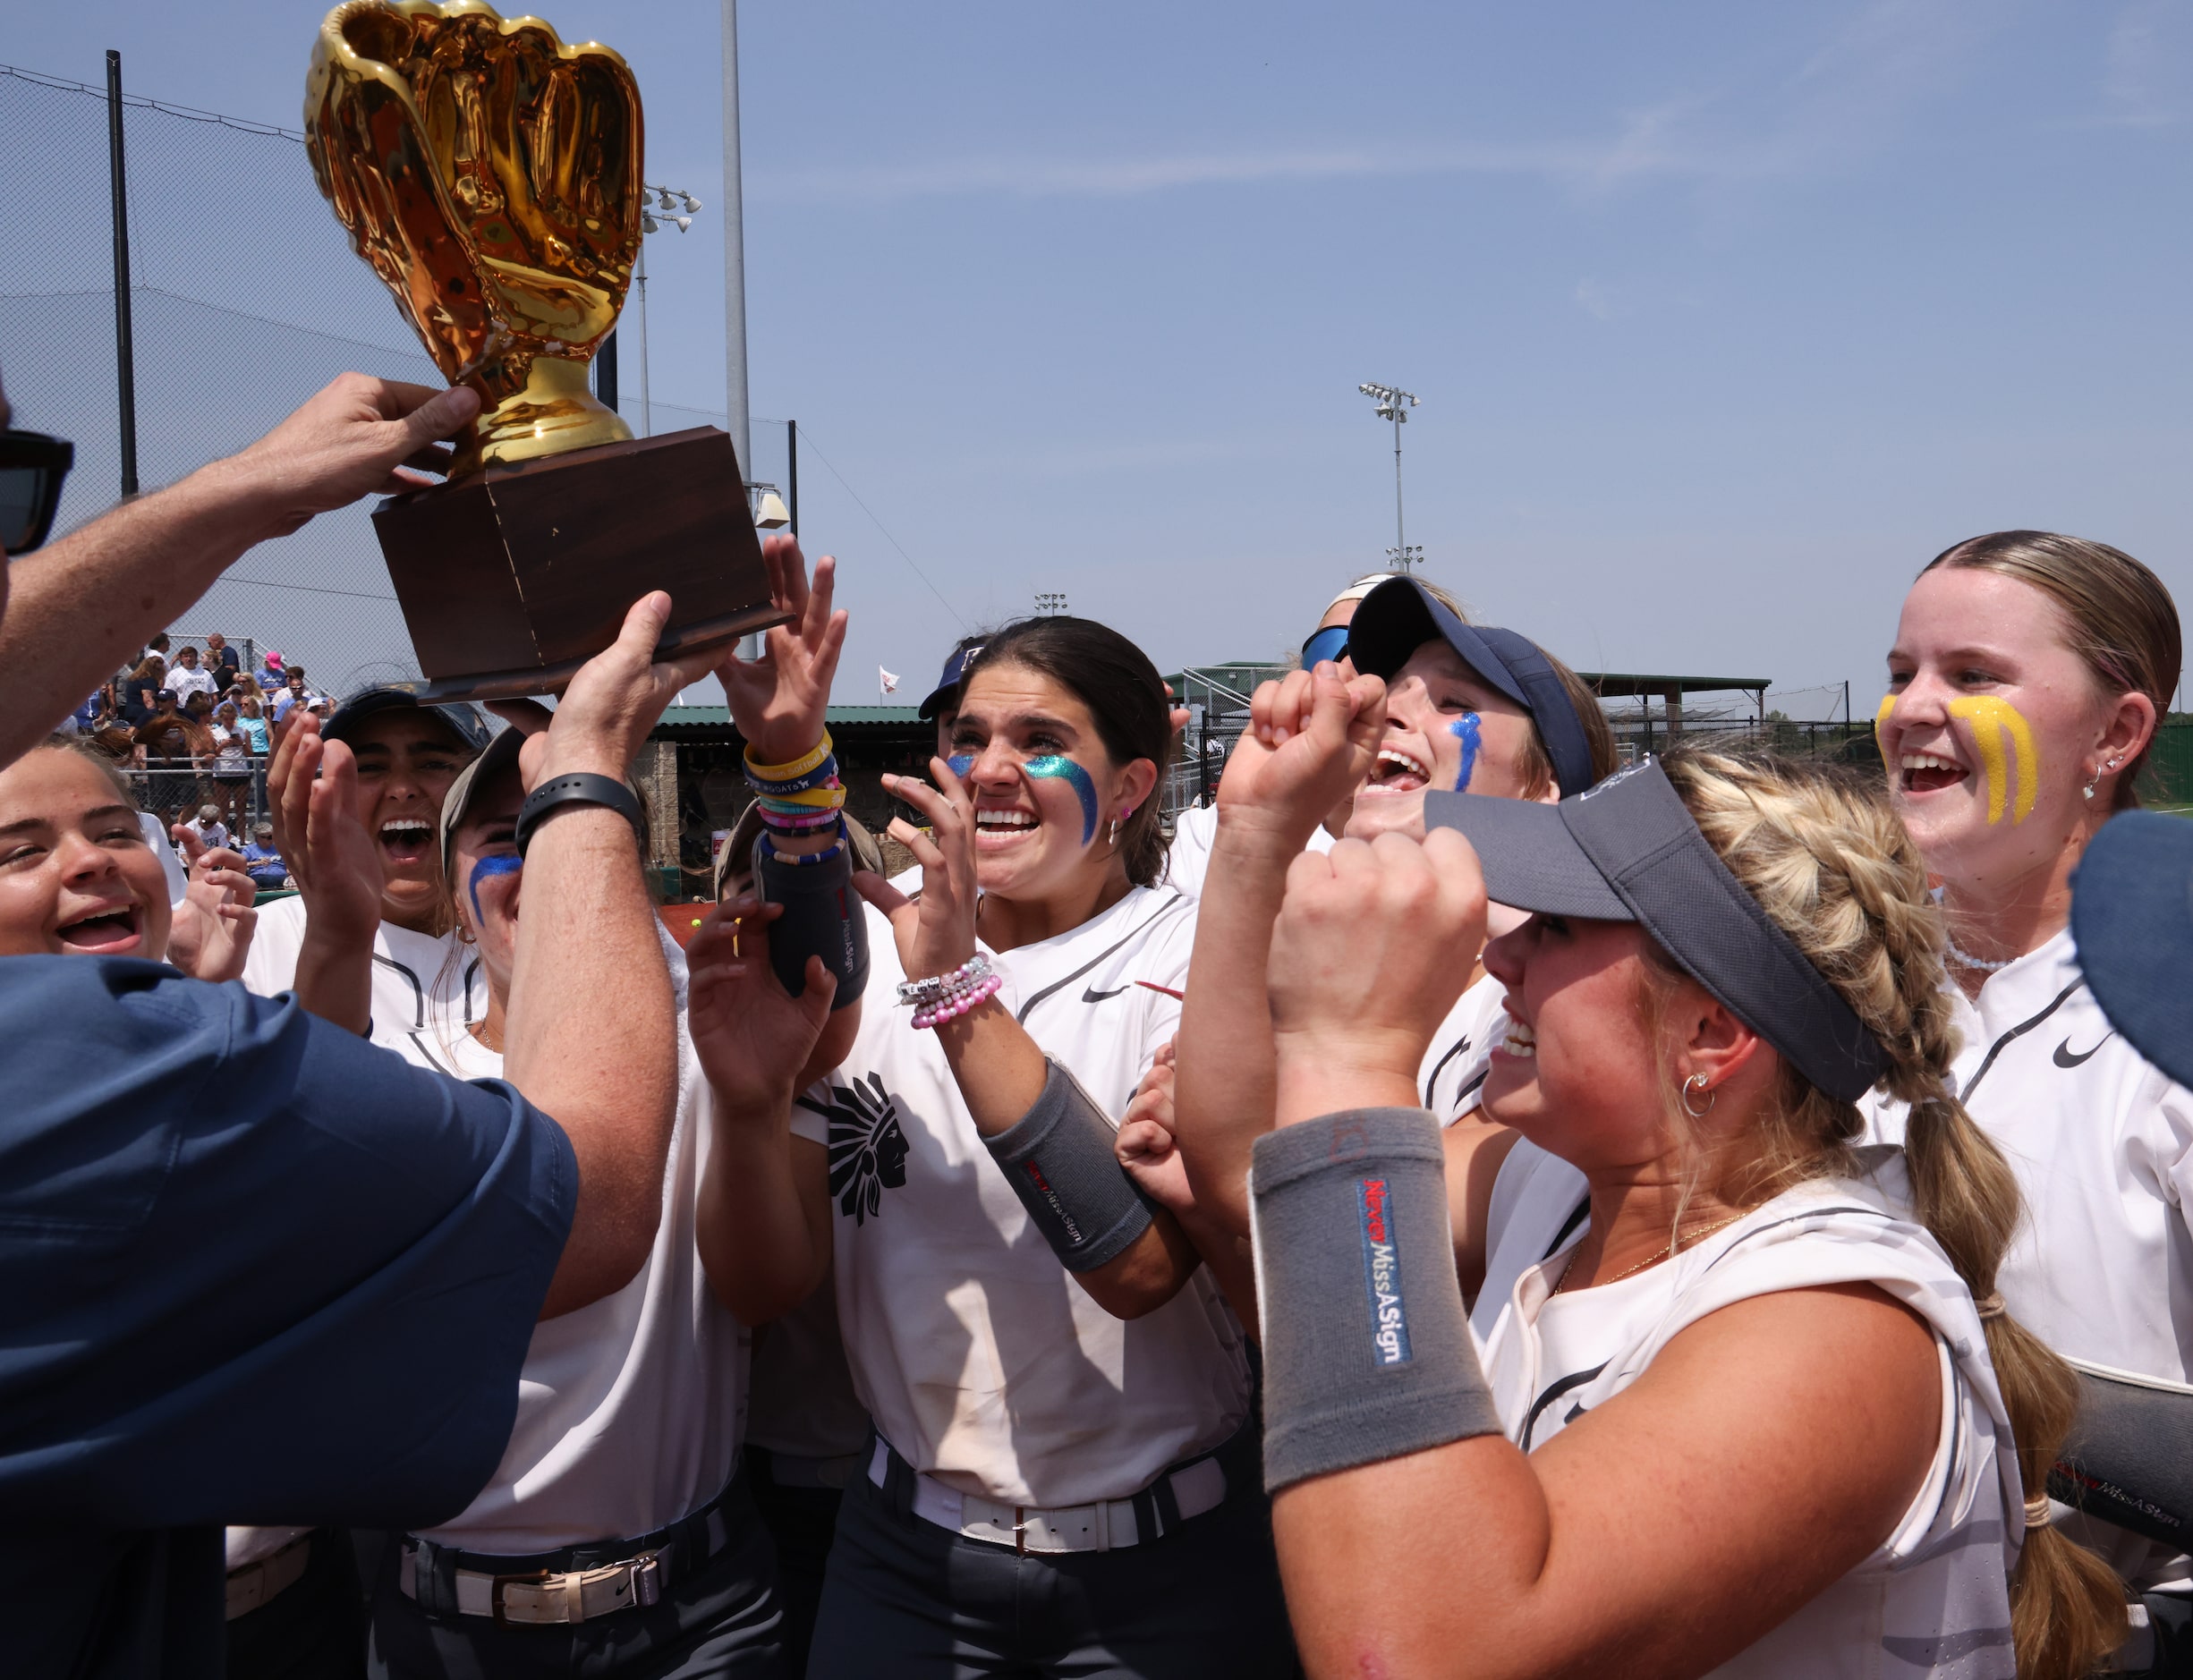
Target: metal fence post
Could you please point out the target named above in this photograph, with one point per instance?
(125, 350)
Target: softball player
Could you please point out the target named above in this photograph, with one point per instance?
(2026, 676)
(616, 1533)
(1755, 1293)
(408, 755)
(1043, 1468)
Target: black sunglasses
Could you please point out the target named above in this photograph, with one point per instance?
(32, 466)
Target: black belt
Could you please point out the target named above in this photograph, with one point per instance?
(679, 1551)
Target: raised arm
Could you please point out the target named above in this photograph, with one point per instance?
(764, 1225)
(312, 799)
(144, 563)
(592, 1038)
(1312, 738)
(1767, 1452)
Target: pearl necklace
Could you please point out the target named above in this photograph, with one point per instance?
(1650, 1260)
(1965, 959)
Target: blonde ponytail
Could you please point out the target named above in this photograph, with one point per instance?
(1829, 861)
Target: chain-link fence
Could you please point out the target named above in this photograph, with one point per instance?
(245, 299)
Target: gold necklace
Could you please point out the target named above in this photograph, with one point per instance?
(1650, 1260)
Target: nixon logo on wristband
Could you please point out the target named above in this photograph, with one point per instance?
(1382, 1273)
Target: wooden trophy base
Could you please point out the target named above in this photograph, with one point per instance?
(512, 578)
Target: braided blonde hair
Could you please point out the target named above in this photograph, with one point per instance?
(1825, 857)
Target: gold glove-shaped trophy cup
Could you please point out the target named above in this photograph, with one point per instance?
(491, 176)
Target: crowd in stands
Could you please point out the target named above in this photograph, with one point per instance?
(194, 731)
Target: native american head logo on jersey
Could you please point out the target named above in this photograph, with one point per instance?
(868, 1149)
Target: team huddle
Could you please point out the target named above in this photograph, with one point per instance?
(1459, 1205)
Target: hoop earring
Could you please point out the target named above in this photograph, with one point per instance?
(2087, 791)
(1697, 1082)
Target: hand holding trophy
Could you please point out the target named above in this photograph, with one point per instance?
(491, 176)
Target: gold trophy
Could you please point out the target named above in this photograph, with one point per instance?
(491, 174)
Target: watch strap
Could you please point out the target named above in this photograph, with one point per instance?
(580, 787)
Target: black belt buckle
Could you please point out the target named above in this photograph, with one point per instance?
(495, 1594)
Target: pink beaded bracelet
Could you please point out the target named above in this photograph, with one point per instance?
(958, 1003)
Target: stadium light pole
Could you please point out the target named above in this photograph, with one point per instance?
(666, 199)
(1394, 404)
(736, 409)
(735, 251)
(1050, 605)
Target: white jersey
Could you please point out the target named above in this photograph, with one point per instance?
(630, 1410)
(419, 981)
(163, 846)
(1933, 1599)
(2102, 1141)
(1196, 830)
(981, 1359)
(1461, 1050)
(1539, 1202)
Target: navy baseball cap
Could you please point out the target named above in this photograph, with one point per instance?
(947, 685)
(463, 718)
(1628, 851)
(1400, 615)
(2132, 921)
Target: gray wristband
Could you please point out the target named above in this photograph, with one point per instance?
(1059, 1158)
(2128, 1459)
(1367, 1352)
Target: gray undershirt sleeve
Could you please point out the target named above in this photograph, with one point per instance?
(1367, 1351)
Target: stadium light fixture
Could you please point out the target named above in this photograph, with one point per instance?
(1394, 404)
(667, 199)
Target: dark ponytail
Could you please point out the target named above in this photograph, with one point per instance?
(1126, 698)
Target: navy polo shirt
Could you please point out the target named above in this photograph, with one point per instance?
(252, 1270)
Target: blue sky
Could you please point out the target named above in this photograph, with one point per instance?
(1725, 318)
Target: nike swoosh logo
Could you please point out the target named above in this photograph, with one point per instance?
(1089, 994)
(2064, 1058)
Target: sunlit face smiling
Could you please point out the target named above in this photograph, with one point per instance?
(406, 761)
(1044, 789)
(1990, 725)
(76, 875)
(1441, 716)
(1576, 1070)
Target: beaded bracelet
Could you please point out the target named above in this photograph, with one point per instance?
(936, 988)
(959, 1005)
(835, 849)
(803, 765)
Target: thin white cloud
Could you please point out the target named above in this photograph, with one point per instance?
(2149, 78)
(1841, 101)
(1594, 299)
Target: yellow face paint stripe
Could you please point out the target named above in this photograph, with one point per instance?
(1993, 718)
(1888, 704)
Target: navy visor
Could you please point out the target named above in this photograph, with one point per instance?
(1627, 851)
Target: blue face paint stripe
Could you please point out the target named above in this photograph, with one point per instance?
(960, 764)
(1464, 729)
(503, 863)
(1067, 770)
